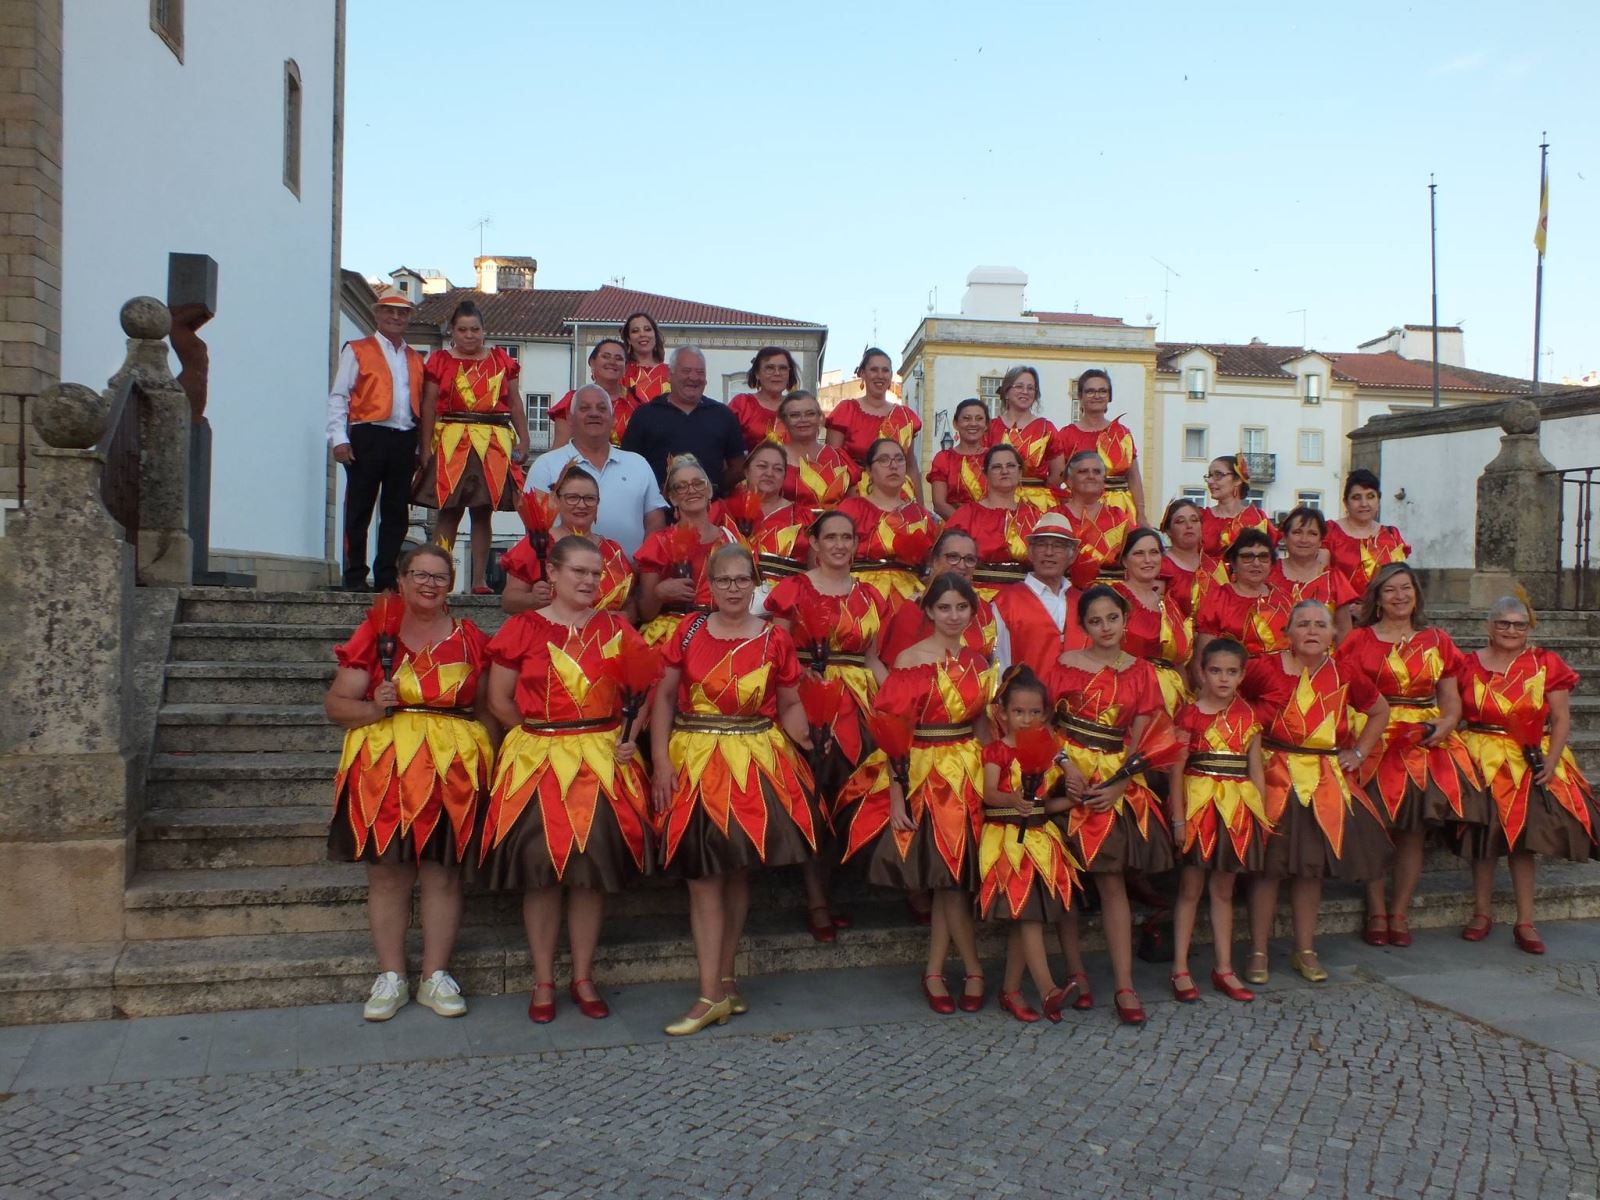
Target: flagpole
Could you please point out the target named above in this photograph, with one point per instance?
(1433, 258)
(1538, 277)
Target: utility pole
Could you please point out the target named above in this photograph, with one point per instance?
(1166, 289)
(1539, 242)
(1433, 256)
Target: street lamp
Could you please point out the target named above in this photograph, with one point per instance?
(948, 441)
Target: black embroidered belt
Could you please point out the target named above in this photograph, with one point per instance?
(1011, 816)
(1220, 766)
(1092, 734)
(998, 573)
(839, 658)
(1116, 483)
(1413, 701)
(942, 733)
(1109, 571)
(470, 418)
(1037, 483)
(1485, 727)
(775, 566)
(592, 725)
(1166, 663)
(460, 714)
(883, 564)
(683, 610)
(711, 724)
(1291, 748)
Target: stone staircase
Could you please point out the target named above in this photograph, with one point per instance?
(232, 904)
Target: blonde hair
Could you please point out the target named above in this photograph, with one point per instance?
(679, 463)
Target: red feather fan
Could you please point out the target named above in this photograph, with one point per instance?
(537, 510)
(743, 508)
(1036, 749)
(911, 544)
(683, 541)
(635, 670)
(1156, 751)
(893, 732)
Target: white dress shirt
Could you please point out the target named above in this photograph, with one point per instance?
(344, 378)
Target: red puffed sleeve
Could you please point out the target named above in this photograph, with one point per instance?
(509, 365)
(510, 645)
(562, 406)
(1353, 654)
(360, 653)
(441, 368)
(522, 562)
(672, 647)
(903, 692)
(1209, 617)
(1147, 694)
(998, 753)
(1259, 675)
(1343, 593)
(654, 554)
(1450, 654)
(784, 597)
(839, 418)
(1558, 677)
(785, 661)
(1361, 693)
(477, 643)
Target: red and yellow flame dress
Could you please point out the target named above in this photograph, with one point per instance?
(861, 428)
(779, 539)
(1183, 585)
(469, 463)
(1218, 533)
(757, 422)
(820, 482)
(616, 580)
(1330, 587)
(1358, 559)
(659, 554)
(741, 796)
(646, 383)
(1002, 537)
(1164, 638)
(961, 474)
(1326, 824)
(881, 535)
(1259, 623)
(855, 622)
(1026, 879)
(429, 760)
(622, 409)
(1117, 451)
(945, 798)
(1039, 444)
(908, 625)
(1560, 819)
(1100, 536)
(1420, 787)
(563, 810)
(1225, 817)
(1095, 710)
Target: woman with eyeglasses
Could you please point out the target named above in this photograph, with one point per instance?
(1304, 574)
(730, 793)
(773, 372)
(1000, 522)
(855, 426)
(1325, 826)
(1111, 438)
(672, 562)
(577, 497)
(569, 812)
(1247, 608)
(893, 534)
(1101, 527)
(955, 477)
(917, 830)
(1037, 440)
(778, 536)
(608, 362)
(818, 475)
(1357, 544)
(1230, 514)
(1422, 774)
(1157, 630)
(1516, 710)
(853, 613)
(1182, 567)
(954, 552)
(413, 772)
(646, 374)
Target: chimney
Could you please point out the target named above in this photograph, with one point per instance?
(488, 274)
(994, 293)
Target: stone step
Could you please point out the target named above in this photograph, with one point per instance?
(243, 780)
(206, 974)
(232, 605)
(225, 728)
(181, 839)
(256, 643)
(248, 682)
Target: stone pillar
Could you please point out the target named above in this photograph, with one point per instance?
(166, 552)
(66, 582)
(1517, 533)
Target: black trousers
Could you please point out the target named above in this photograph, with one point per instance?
(384, 462)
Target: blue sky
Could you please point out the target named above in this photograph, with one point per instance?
(838, 162)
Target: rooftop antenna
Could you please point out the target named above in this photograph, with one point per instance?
(481, 224)
(1302, 313)
(1166, 288)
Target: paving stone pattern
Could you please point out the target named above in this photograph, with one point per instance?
(1349, 1090)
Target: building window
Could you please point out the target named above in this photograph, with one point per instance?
(166, 18)
(1197, 383)
(291, 125)
(538, 404)
(512, 351)
(1309, 499)
(989, 392)
(1311, 445)
(1255, 498)
(1194, 442)
(1252, 440)
(1197, 494)
(1314, 388)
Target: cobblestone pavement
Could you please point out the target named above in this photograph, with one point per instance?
(1353, 1089)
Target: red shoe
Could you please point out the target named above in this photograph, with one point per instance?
(1056, 1000)
(481, 590)
(1013, 1003)
(1399, 931)
(1377, 931)
(1232, 991)
(1529, 942)
(1184, 995)
(943, 1005)
(822, 932)
(970, 1003)
(840, 921)
(595, 1010)
(542, 1014)
(1128, 1016)
(1084, 1000)
(1473, 932)
(919, 916)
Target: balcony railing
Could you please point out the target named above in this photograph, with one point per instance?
(539, 439)
(1263, 468)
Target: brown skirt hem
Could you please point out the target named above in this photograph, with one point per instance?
(1554, 834)
(1125, 848)
(522, 861)
(402, 849)
(1427, 810)
(1298, 849)
(471, 490)
(923, 868)
(705, 850)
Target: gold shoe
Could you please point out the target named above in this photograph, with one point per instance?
(1305, 961)
(717, 1013)
(736, 1003)
(1253, 973)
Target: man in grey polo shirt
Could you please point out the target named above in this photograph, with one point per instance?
(630, 502)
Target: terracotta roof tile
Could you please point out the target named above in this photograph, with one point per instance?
(1072, 318)
(1386, 370)
(611, 303)
(517, 312)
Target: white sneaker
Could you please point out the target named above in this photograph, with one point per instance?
(442, 993)
(389, 996)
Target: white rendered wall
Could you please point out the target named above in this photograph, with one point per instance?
(165, 156)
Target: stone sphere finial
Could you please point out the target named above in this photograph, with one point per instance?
(147, 318)
(1520, 415)
(70, 416)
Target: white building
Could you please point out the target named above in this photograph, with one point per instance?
(210, 128)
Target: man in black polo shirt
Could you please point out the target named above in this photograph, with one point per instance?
(683, 421)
